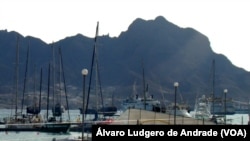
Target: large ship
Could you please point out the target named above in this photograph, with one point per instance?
(220, 106)
(202, 108)
(147, 103)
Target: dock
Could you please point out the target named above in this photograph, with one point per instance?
(144, 117)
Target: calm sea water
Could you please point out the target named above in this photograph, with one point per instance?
(236, 119)
(37, 136)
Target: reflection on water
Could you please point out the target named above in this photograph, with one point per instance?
(30, 136)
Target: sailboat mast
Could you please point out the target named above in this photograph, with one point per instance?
(17, 70)
(60, 77)
(53, 77)
(213, 85)
(96, 69)
(64, 83)
(48, 93)
(92, 64)
(25, 76)
(144, 90)
(41, 80)
(34, 95)
(96, 84)
(90, 80)
(99, 82)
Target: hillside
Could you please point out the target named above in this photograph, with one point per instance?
(168, 54)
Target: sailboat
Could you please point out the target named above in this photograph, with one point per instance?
(101, 110)
(98, 113)
(213, 107)
(35, 108)
(218, 103)
(32, 120)
(110, 110)
(57, 108)
(146, 102)
(19, 120)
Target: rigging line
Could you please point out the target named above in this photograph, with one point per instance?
(92, 64)
(181, 96)
(65, 89)
(98, 75)
(53, 77)
(40, 96)
(34, 95)
(17, 70)
(60, 85)
(25, 75)
(48, 92)
(96, 80)
(90, 78)
(144, 90)
(213, 85)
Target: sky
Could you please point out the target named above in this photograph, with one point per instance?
(226, 23)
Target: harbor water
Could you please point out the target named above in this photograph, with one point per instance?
(36, 135)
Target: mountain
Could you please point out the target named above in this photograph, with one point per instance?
(166, 52)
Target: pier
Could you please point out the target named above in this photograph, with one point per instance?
(144, 117)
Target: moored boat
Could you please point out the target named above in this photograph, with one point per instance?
(148, 103)
(34, 123)
(180, 109)
(220, 106)
(202, 108)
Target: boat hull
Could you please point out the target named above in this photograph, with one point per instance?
(41, 127)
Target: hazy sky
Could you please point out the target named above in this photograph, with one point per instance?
(225, 22)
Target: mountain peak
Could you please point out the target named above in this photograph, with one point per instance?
(160, 19)
(157, 24)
